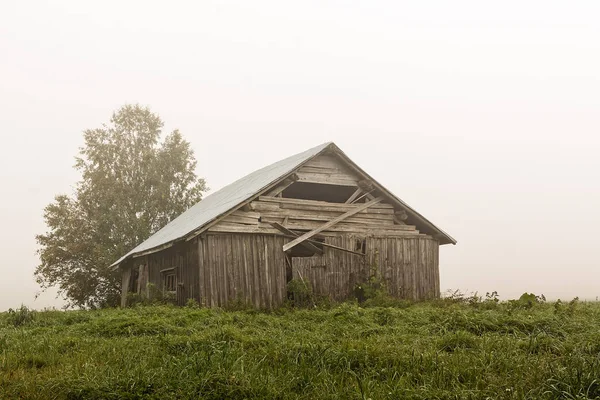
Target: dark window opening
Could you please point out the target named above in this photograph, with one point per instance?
(133, 281)
(319, 192)
(301, 251)
(361, 246)
(168, 280)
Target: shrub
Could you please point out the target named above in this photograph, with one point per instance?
(301, 293)
(373, 287)
(526, 301)
(192, 303)
(21, 316)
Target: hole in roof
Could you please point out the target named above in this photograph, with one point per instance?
(319, 192)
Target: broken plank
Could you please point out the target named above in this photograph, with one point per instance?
(306, 244)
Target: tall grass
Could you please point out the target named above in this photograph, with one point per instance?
(451, 349)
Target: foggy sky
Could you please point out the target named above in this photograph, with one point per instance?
(482, 116)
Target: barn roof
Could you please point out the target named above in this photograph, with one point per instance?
(238, 192)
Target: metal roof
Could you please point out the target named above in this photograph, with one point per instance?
(222, 201)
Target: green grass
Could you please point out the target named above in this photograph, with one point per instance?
(437, 350)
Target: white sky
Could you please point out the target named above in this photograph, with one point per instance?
(483, 116)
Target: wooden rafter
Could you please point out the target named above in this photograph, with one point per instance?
(354, 196)
(329, 224)
(285, 184)
(368, 195)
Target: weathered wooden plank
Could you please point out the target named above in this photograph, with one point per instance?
(266, 290)
(360, 223)
(237, 219)
(311, 169)
(248, 214)
(326, 216)
(333, 207)
(211, 270)
(334, 221)
(125, 277)
(436, 257)
(327, 179)
(241, 228)
(326, 161)
(201, 276)
(300, 213)
(230, 266)
(319, 203)
(264, 206)
(252, 241)
(222, 268)
(373, 230)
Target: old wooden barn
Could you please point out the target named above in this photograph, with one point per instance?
(315, 216)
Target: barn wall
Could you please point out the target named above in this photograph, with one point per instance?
(183, 257)
(409, 266)
(248, 268)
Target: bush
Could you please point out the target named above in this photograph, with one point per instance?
(526, 301)
(301, 293)
(152, 295)
(192, 303)
(21, 316)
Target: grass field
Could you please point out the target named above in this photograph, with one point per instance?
(445, 349)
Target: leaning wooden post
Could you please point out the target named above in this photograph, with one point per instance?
(126, 276)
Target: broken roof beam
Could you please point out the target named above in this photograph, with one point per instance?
(284, 185)
(291, 234)
(329, 224)
(307, 245)
(354, 196)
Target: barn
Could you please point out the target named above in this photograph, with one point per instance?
(315, 216)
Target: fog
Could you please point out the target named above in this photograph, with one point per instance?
(484, 117)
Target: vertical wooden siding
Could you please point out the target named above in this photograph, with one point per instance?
(247, 268)
(184, 259)
(220, 269)
(409, 267)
